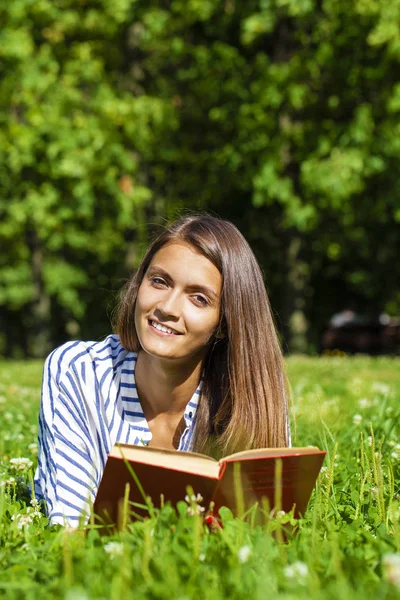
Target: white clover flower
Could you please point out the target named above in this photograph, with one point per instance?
(34, 509)
(391, 568)
(33, 448)
(9, 481)
(195, 510)
(24, 391)
(364, 403)
(22, 520)
(34, 513)
(244, 554)
(202, 557)
(21, 464)
(397, 448)
(381, 388)
(194, 501)
(394, 455)
(297, 570)
(114, 549)
(357, 419)
(194, 498)
(324, 471)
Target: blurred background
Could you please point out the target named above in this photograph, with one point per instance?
(280, 115)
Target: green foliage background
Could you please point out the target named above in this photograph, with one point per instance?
(281, 115)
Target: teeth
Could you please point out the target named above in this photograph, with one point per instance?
(162, 327)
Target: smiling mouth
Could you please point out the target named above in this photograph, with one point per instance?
(163, 328)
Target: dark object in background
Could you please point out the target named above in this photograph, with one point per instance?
(351, 333)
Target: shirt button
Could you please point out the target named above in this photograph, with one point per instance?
(190, 415)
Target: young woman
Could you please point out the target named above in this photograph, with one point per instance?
(195, 365)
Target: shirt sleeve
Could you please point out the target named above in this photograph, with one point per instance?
(68, 472)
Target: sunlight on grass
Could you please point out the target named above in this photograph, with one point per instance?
(347, 545)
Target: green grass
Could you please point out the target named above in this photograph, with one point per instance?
(347, 546)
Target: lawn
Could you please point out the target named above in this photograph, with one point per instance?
(346, 546)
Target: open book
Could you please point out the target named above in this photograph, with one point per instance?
(167, 474)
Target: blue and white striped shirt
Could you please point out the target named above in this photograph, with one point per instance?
(89, 402)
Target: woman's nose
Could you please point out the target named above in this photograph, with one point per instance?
(171, 304)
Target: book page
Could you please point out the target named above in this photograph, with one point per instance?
(189, 462)
(269, 452)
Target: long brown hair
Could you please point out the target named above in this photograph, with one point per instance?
(244, 401)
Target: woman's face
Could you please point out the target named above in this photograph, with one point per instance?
(178, 303)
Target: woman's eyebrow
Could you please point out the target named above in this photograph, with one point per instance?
(160, 271)
(203, 288)
(193, 287)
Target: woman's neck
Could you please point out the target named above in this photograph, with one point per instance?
(164, 387)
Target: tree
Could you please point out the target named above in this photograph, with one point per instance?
(288, 116)
(70, 185)
(280, 115)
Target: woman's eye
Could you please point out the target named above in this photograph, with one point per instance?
(157, 281)
(201, 300)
